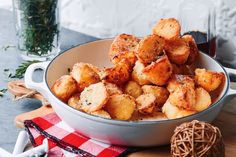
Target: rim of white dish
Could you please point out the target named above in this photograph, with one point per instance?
(131, 123)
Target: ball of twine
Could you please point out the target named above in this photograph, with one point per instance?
(197, 139)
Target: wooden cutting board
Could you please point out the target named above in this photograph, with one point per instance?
(226, 121)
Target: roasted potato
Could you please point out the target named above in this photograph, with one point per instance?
(64, 87)
(94, 97)
(203, 99)
(101, 113)
(172, 111)
(183, 97)
(169, 29)
(121, 106)
(112, 88)
(85, 74)
(119, 74)
(150, 48)
(193, 49)
(177, 81)
(132, 88)
(123, 46)
(74, 101)
(159, 72)
(177, 51)
(182, 69)
(209, 80)
(160, 93)
(138, 75)
(146, 103)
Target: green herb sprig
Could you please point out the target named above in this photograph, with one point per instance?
(2, 91)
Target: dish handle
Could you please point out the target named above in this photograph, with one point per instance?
(230, 71)
(30, 83)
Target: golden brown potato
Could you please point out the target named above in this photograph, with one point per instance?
(146, 103)
(128, 55)
(169, 29)
(177, 51)
(183, 97)
(160, 93)
(123, 45)
(119, 74)
(120, 107)
(101, 113)
(203, 99)
(74, 101)
(177, 81)
(209, 80)
(182, 69)
(159, 72)
(64, 87)
(94, 97)
(85, 74)
(193, 49)
(150, 48)
(112, 88)
(172, 111)
(132, 88)
(138, 75)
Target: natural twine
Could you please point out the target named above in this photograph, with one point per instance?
(197, 139)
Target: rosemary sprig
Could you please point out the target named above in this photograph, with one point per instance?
(2, 91)
(20, 71)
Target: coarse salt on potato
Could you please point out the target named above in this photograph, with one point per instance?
(149, 48)
(159, 72)
(94, 97)
(85, 74)
(120, 106)
(209, 80)
(132, 88)
(146, 103)
(177, 51)
(160, 93)
(64, 87)
(112, 88)
(169, 29)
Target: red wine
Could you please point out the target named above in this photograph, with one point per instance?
(203, 44)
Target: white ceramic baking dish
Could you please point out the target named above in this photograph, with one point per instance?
(129, 133)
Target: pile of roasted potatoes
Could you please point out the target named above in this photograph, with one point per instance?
(152, 78)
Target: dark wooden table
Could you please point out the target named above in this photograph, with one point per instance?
(10, 59)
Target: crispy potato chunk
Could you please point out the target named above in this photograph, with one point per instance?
(183, 97)
(64, 87)
(182, 69)
(177, 51)
(160, 93)
(94, 97)
(101, 113)
(159, 72)
(172, 111)
(121, 107)
(119, 74)
(85, 74)
(132, 88)
(149, 48)
(177, 81)
(203, 99)
(209, 80)
(112, 88)
(146, 103)
(74, 101)
(138, 75)
(193, 49)
(122, 47)
(169, 29)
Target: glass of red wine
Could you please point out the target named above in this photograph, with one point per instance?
(197, 18)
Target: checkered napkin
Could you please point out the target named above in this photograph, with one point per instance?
(63, 139)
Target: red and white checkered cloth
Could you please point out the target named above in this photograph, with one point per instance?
(63, 139)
